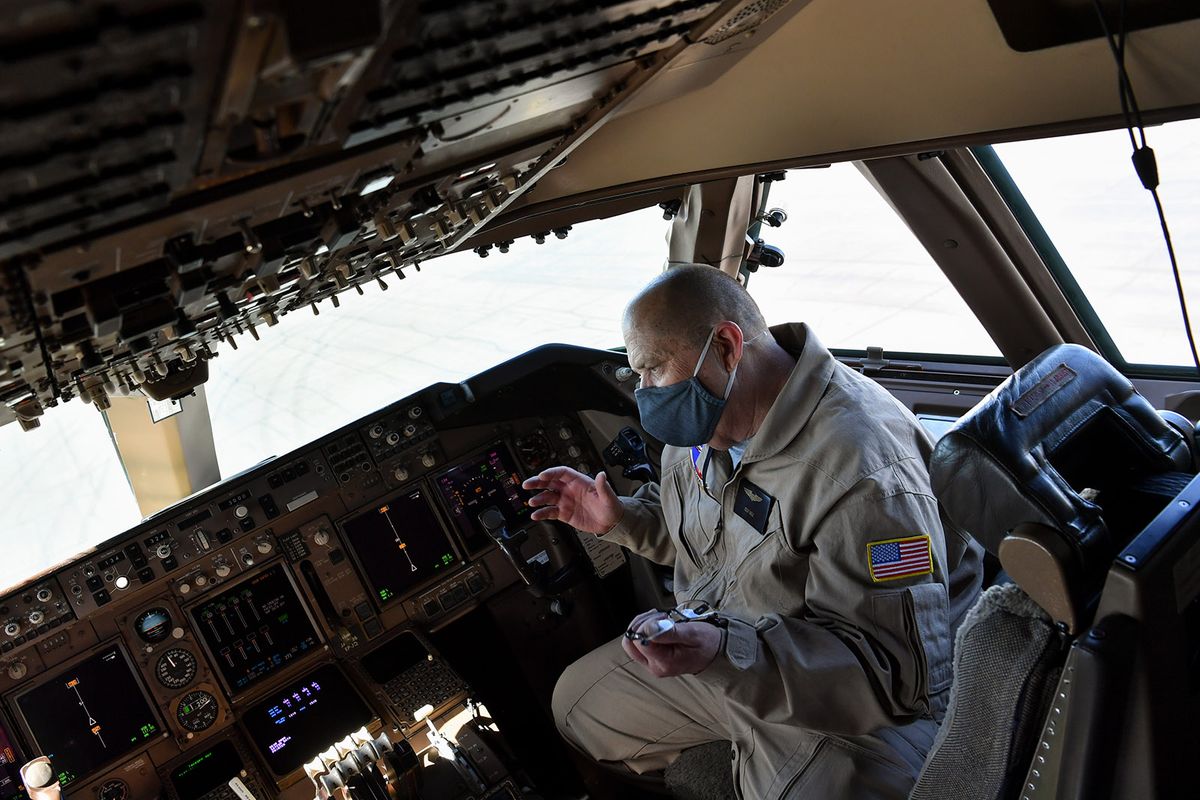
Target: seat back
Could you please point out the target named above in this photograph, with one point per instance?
(1040, 472)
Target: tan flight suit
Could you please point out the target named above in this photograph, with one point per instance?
(828, 682)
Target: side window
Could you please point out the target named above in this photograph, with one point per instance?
(857, 275)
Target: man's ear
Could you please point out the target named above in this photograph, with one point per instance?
(728, 342)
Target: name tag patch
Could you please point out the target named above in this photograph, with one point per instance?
(899, 558)
(754, 506)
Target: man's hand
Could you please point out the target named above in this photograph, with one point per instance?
(574, 498)
(686, 649)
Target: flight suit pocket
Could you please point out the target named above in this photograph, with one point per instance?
(912, 623)
(929, 619)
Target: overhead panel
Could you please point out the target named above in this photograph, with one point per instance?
(177, 176)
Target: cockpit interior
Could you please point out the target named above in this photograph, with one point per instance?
(362, 606)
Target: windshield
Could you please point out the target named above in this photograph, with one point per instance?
(64, 488)
(1086, 195)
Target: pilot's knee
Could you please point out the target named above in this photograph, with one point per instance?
(568, 691)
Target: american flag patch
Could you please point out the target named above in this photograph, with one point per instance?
(899, 558)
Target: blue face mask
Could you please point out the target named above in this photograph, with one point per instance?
(684, 414)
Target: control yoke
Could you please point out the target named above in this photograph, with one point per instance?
(536, 570)
(628, 451)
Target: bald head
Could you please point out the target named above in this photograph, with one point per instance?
(679, 307)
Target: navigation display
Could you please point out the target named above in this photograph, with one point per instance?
(255, 628)
(399, 543)
(487, 480)
(89, 715)
(292, 725)
(10, 769)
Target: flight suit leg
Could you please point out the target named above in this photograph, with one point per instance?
(615, 711)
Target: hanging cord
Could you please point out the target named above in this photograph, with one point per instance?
(1144, 162)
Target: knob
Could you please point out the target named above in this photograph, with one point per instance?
(410, 430)
(574, 452)
(393, 438)
(241, 512)
(17, 670)
(163, 550)
(184, 588)
(36, 617)
(263, 545)
(222, 569)
(565, 433)
(44, 595)
(376, 431)
(321, 537)
(400, 474)
(415, 412)
(248, 559)
(427, 460)
(200, 579)
(12, 628)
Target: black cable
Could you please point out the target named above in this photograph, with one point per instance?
(1144, 162)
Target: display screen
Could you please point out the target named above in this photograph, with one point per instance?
(89, 715)
(255, 628)
(393, 658)
(10, 770)
(487, 480)
(207, 771)
(399, 543)
(291, 726)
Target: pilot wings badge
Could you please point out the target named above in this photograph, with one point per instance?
(899, 558)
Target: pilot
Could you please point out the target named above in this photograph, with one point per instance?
(795, 508)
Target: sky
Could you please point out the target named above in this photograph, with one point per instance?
(853, 271)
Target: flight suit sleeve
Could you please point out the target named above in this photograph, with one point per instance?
(861, 655)
(643, 528)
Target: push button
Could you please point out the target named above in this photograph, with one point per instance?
(95, 583)
(373, 627)
(363, 610)
(102, 597)
(433, 607)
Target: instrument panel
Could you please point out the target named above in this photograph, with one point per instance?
(233, 635)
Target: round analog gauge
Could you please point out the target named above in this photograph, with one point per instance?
(153, 625)
(197, 710)
(113, 790)
(176, 668)
(535, 450)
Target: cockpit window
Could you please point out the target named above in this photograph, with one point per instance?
(456, 317)
(1103, 224)
(62, 489)
(857, 274)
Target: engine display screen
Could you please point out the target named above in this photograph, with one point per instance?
(88, 715)
(290, 726)
(255, 628)
(487, 480)
(10, 769)
(399, 543)
(207, 771)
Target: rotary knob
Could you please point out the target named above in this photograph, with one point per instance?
(241, 512)
(263, 545)
(222, 569)
(12, 628)
(200, 579)
(565, 433)
(427, 460)
(400, 474)
(321, 537)
(574, 452)
(163, 550)
(17, 670)
(36, 617)
(44, 595)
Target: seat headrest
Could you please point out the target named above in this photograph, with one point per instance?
(1063, 427)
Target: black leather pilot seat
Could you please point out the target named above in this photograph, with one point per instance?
(1053, 473)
